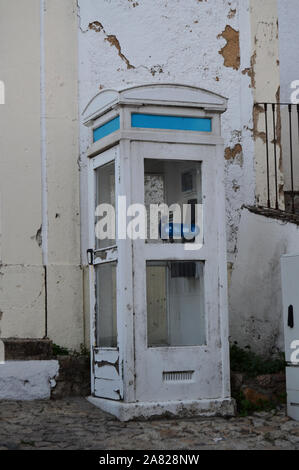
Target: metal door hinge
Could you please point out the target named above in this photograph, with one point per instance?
(90, 254)
(291, 316)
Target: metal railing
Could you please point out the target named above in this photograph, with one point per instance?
(281, 139)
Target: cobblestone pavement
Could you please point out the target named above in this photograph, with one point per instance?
(76, 424)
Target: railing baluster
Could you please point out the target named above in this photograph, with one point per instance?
(275, 156)
(291, 158)
(267, 155)
(289, 185)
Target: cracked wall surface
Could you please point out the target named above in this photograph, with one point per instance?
(231, 51)
(193, 43)
(255, 286)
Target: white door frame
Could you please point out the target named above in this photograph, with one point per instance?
(152, 362)
(106, 373)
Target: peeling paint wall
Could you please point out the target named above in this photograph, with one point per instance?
(22, 293)
(265, 76)
(123, 43)
(254, 290)
(227, 46)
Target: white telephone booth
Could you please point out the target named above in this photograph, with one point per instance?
(157, 256)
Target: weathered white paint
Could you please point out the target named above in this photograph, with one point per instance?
(255, 291)
(27, 380)
(181, 409)
(140, 368)
(99, 385)
(188, 53)
(152, 362)
(265, 75)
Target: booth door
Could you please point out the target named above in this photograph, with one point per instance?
(176, 284)
(103, 260)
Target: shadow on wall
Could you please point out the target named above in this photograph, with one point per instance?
(255, 301)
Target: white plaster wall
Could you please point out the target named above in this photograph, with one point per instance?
(124, 43)
(121, 43)
(27, 380)
(255, 289)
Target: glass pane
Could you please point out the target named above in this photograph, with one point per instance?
(106, 305)
(175, 303)
(106, 129)
(172, 191)
(158, 121)
(105, 194)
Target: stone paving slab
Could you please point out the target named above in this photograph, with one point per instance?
(76, 424)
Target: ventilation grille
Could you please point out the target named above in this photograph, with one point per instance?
(178, 376)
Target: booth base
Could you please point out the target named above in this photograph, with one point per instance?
(172, 409)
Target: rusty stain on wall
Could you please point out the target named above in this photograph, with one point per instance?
(96, 26)
(156, 69)
(235, 185)
(232, 13)
(112, 39)
(250, 71)
(257, 110)
(133, 3)
(231, 153)
(252, 65)
(231, 51)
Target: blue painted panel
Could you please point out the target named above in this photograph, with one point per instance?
(106, 129)
(157, 121)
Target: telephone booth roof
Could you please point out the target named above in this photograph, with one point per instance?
(159, 94)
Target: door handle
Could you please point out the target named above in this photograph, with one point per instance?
(90, 256)
(291, 316)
